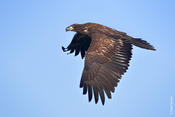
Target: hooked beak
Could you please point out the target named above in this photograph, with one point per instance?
(70, 28)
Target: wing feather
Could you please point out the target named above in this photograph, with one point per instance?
(105, 86)
(85, 89)
(95, 93)
(100, 90)
(90, 92)
(107, 59)
(79, 43)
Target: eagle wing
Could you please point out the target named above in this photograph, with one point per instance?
(105, 61)
(79, 43)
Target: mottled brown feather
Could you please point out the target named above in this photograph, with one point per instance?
(108, 59)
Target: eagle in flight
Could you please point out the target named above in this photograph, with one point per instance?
(107, 53)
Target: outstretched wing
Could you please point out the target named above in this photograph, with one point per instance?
(79, 43)
(105, 61)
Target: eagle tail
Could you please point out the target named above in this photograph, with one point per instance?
(142, 43)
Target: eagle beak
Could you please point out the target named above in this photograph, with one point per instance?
(70, 28)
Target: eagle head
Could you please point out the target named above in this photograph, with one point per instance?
(80, 28)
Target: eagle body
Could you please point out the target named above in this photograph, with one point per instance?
(107, 54)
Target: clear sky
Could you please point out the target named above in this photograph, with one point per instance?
(38, 80)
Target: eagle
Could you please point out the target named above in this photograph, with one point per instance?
(107, 53)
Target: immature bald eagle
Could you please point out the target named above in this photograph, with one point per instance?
(107, 54)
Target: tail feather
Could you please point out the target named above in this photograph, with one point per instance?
(142, 43)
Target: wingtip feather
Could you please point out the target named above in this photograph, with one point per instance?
(63, 48)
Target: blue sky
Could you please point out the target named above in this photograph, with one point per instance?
(38, 80)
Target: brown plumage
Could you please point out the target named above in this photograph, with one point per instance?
(107, 54)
